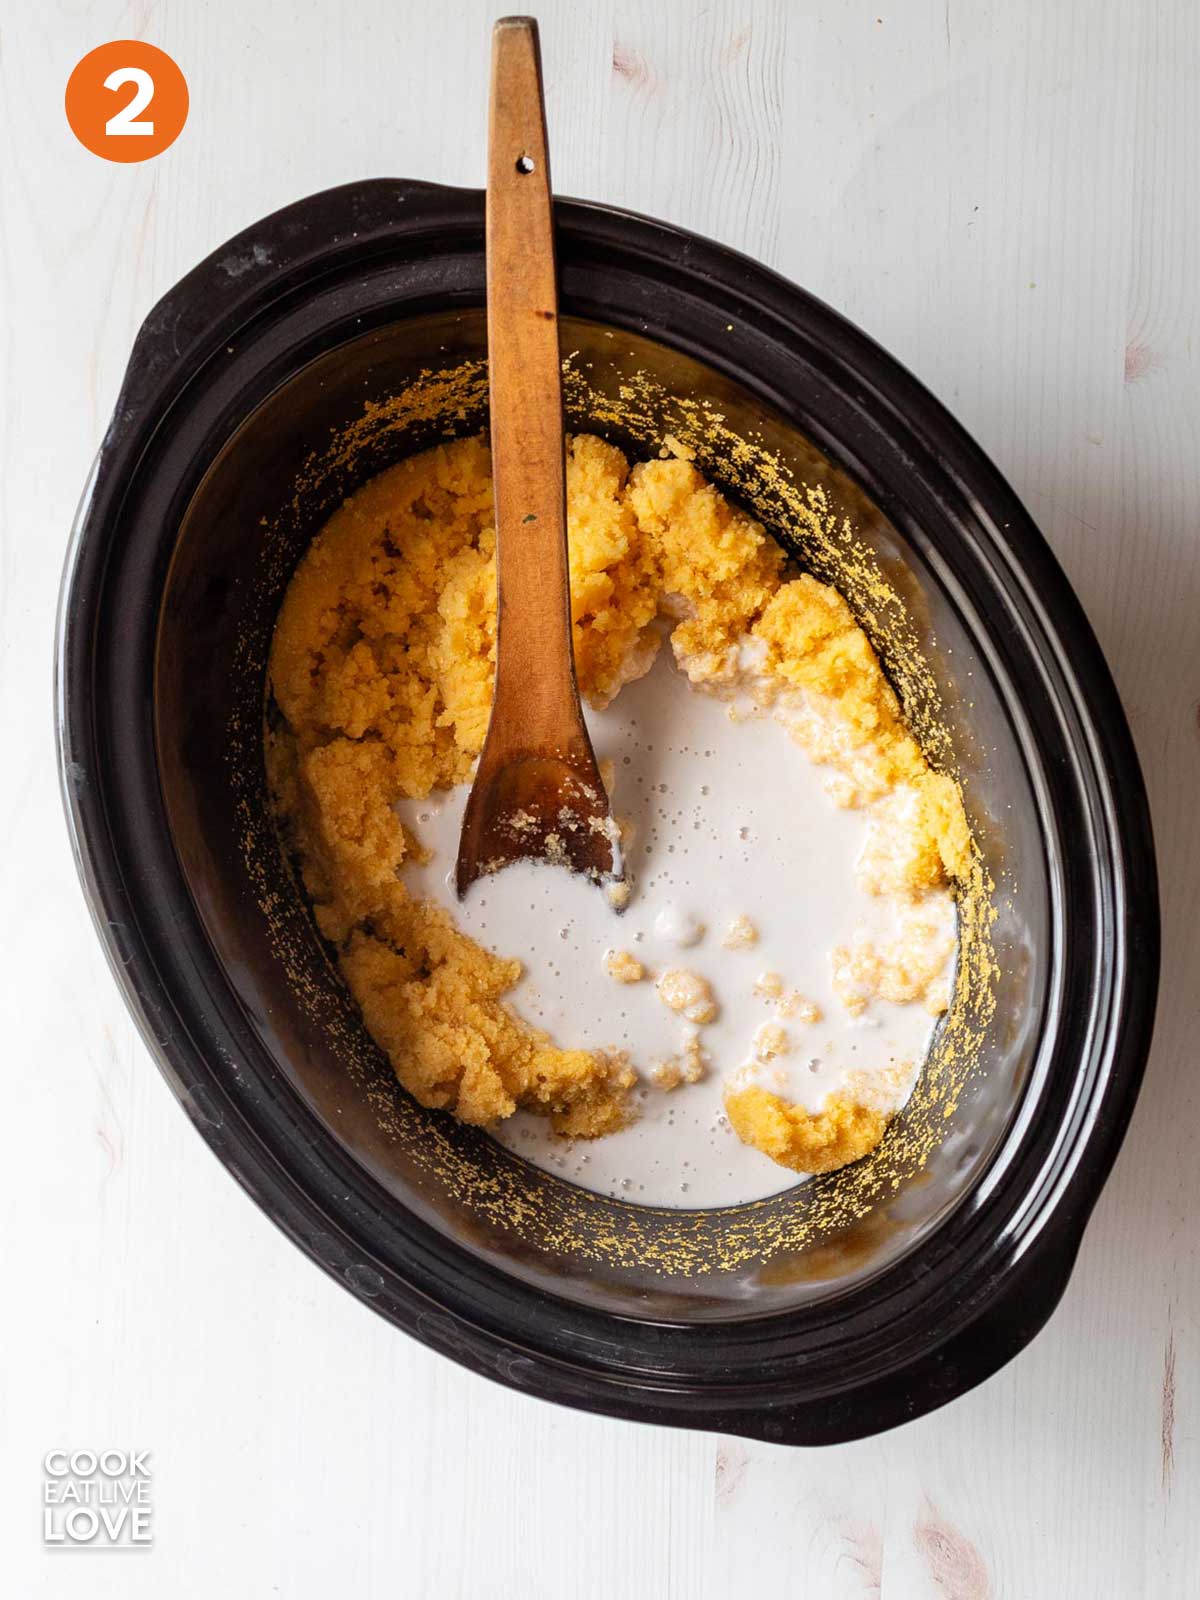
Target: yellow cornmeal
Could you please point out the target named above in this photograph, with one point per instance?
(382, 667)
(806, 1141)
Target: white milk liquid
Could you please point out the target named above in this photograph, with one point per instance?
(730, 819)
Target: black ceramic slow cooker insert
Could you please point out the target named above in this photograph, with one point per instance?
(260, 392)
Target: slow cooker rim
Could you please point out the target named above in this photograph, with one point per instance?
(607, 215)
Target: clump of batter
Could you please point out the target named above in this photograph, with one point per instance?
(841, 1132)
(382, 667)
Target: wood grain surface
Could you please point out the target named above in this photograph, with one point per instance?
(1006, 196)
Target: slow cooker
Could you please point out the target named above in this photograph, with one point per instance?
(323, 344)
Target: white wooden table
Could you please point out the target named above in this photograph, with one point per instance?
(1006, 196)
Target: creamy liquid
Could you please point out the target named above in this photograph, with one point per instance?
(730, 819)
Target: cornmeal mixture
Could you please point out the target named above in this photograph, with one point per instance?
(381, 669)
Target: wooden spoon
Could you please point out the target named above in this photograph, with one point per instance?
(537, 793)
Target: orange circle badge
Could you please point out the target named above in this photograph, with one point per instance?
(127, 101)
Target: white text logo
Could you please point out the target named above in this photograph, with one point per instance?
(98, 1499)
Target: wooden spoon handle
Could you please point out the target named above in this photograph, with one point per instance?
(536, 692)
